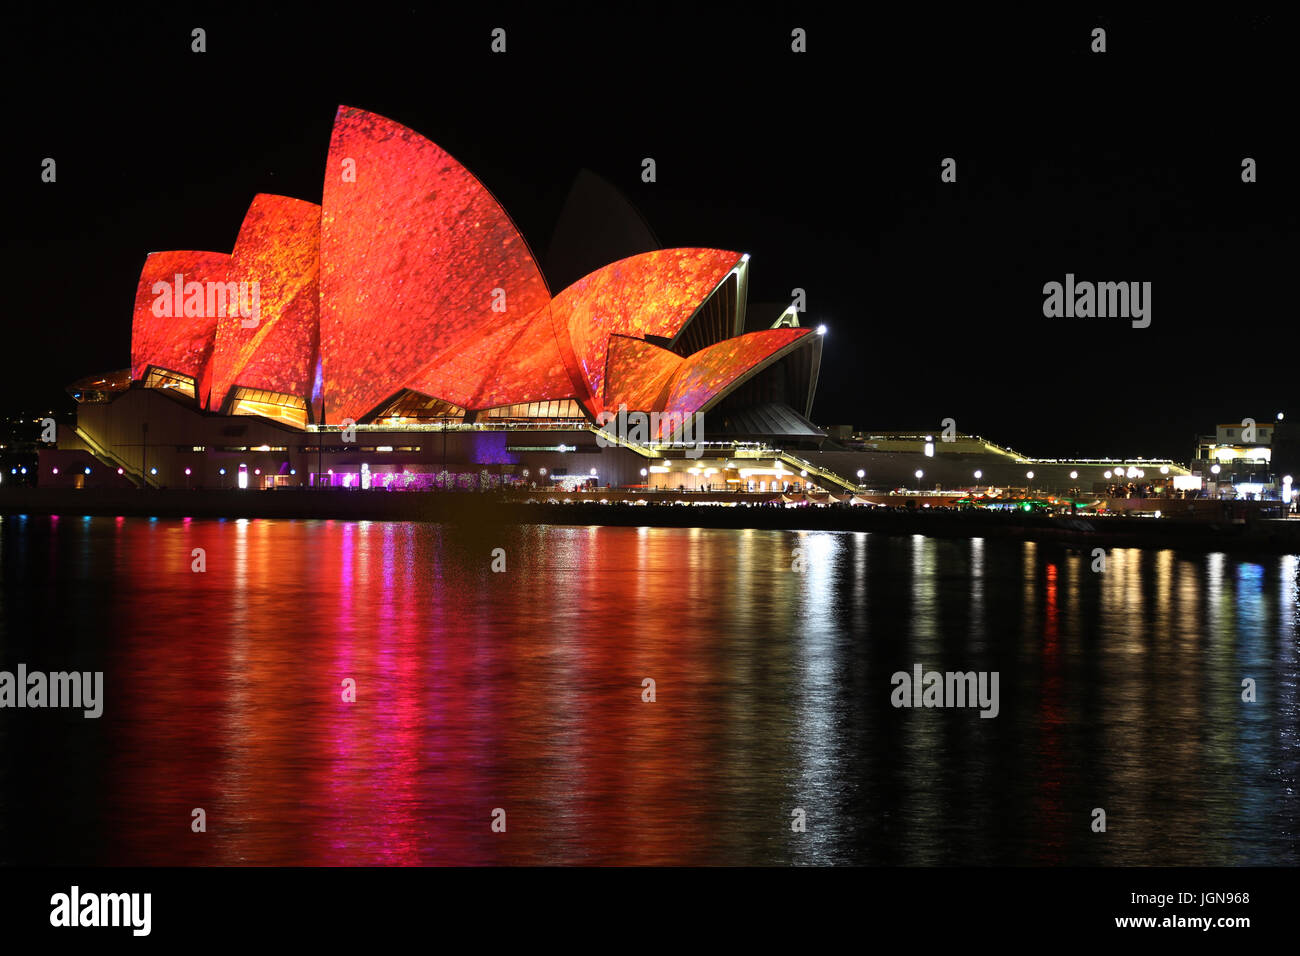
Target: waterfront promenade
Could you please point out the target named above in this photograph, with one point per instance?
(672, 509)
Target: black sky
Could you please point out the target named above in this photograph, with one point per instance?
(823, 166)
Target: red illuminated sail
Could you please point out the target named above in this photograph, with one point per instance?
(410, 275)
(648, 378)
(174, 326)
(655, 293)
(710, 373)
(637, 374)
(416, 258)
(279, 249)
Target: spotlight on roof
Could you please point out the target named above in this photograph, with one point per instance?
(821, 330)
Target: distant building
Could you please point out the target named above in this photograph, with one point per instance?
(1237, 460)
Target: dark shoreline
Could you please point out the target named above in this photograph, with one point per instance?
(1257, 536)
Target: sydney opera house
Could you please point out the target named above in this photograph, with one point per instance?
(402, 334)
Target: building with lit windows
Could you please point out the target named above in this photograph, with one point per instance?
(1238, 460)
(402, 335)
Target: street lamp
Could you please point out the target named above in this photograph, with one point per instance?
(1029, 487)
(919, 475)
(861, 474)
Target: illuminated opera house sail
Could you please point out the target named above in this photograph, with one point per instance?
(408, 302)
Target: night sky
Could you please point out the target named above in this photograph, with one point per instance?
(1123, 166)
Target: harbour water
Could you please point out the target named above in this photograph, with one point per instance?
(519, 694)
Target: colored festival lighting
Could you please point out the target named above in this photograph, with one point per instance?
(413, 252)
(645, 377)
(655, 293)
(278, 248)
(180, 340)
(410, 275)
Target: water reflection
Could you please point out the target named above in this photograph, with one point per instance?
(771, 655)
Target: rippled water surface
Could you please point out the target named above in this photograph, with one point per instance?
(522, 691)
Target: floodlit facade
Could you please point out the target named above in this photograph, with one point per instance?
(1239, 459)
(401, 334)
